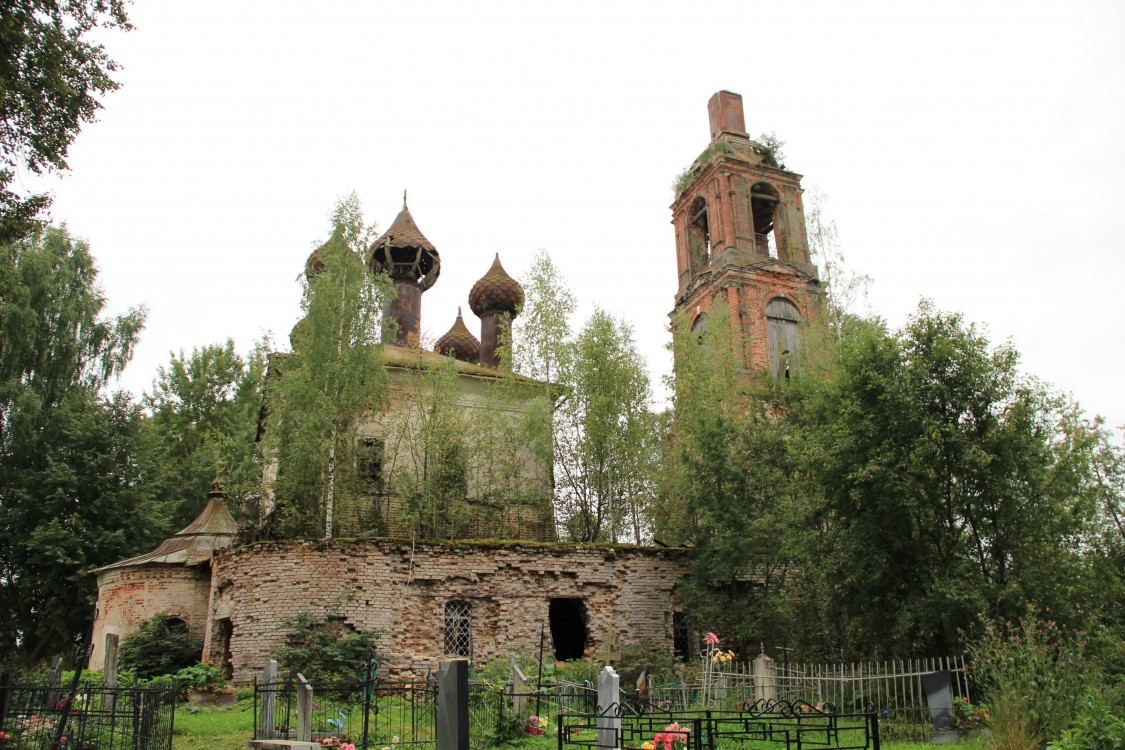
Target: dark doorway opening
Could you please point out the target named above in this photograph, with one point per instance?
(225, 631)
(568, 628)
(681, 637)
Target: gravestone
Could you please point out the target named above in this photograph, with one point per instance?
(609, 708)
(269, 701)
(54, 680)
(764, 687)
(453, 705)
(109, 671)
(519, 689)
(304, 709)
(939, 699)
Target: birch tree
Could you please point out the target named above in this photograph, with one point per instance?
(334, 376)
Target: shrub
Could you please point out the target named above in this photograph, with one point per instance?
(1032, 674)
(162, 646)
(1099, 726)
(324, 648)
(201, 678)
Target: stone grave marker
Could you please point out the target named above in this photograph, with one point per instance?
(266, 730)
(609, 708)
(519, 689)
(453, 705)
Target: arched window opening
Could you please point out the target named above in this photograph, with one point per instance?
(764, 200)
(699, 327)
(176, 625)
(782, 320)
(699, 231)
(458, 629)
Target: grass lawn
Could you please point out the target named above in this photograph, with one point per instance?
(213, 727)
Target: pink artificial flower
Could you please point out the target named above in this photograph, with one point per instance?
(711, 639)
(347, 746)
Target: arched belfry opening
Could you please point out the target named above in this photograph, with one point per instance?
(764, 200)
(699, 232)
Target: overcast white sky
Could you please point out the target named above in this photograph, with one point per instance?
(974, 153)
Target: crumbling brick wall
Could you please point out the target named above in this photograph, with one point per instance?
(401, 589)
(129, 596)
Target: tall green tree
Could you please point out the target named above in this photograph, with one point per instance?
(953, 486)
(72, 491)
(427, 453)
(334, 376)
(603, 454)
(51, 78)
(541, 335)
(730, 490)
(604, 439)
(205, 409)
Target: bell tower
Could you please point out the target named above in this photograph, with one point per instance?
(740, 243)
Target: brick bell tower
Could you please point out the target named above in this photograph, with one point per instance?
(740, 243)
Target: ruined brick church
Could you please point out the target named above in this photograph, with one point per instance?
(740, 245)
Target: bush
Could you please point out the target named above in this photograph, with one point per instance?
(1099, 726)
(325, 649)
(162, 646)
(1032, 674)
(201, 678)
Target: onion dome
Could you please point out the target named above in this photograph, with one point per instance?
(404, 253)
(496, 292)
(458, 342)
(314, 264)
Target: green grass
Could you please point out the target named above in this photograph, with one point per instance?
(214, 728)
(230, 728)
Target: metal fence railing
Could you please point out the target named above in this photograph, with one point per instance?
(892, 689)
(780, 724)
(375, 713)
(37, 716)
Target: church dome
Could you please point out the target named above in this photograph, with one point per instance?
(458, 342)
(496, 292)
(314, 264)
(405, 254)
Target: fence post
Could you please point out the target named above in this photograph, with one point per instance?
(453, 705)
(5, 694)
(269, 702)
(369, 673)
(609, 708)
(304, 709)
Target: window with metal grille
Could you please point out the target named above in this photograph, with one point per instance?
(458, 629)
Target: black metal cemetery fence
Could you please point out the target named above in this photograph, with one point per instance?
(88, 717)
(498, 713)
(367, 713)
(764, 724)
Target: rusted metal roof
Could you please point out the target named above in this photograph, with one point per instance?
(496, 291)
(405, 233)
(214, 528)
(459, 342)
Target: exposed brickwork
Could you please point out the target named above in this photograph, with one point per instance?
(740, 235)
(129, 596)
(402, 589)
